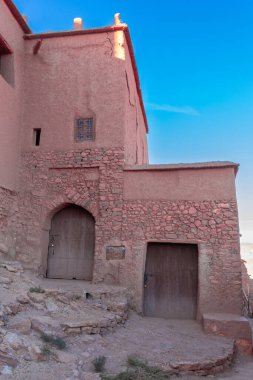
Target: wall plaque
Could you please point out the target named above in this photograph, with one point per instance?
(115, 253)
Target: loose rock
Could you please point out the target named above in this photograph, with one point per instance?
(23, 326)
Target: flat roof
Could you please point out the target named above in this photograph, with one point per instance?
(184, 166)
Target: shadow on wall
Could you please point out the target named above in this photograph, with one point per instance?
(7, 68)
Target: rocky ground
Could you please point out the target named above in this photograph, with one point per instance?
(54, 329)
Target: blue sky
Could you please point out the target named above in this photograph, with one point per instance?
(195, 61)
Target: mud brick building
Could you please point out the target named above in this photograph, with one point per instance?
(78, 198)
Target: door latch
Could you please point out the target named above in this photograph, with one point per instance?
(51, 244)
(146, 276)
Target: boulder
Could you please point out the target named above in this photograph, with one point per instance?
(9, 268)
(13, 340)
(8, 360)
(51, 305)
(23, 326)
(15, 308)
(45, 325)
(24, 300)
(5, 280)
(64, 357)
(3, 248)
(6, 370)
(36, 353)
(37, 297)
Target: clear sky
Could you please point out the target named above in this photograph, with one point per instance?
(195, 61)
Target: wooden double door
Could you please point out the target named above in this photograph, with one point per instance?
(171, 281)
(71, 244)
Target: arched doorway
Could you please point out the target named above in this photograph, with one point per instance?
(71, 244)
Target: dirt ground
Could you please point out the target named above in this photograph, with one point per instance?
(95, 326)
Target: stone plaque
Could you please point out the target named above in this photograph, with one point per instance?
(115, 253)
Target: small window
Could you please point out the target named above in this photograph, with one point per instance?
(84, 130)
(36, 136)
(6, 61)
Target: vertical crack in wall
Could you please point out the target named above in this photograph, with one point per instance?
(137, 127)
(109, 45)
(129, 94)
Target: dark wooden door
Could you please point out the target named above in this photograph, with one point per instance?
(71, 244)
(171, 281)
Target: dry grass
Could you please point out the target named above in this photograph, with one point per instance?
(54, 341)
(139, 370)
(36, 289)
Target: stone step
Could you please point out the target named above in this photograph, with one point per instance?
(85, 288)
(232, 326)
(76, 313)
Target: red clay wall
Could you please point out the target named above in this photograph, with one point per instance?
(184, 184)
(10, 100)
(136, 148)
(73, 77)
(158, 209)
(92, 179)
(85, 76)
(11, 86)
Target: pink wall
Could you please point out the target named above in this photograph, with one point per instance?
(92, 75)
(192, 184)
(80, 76)
(135, 130)
(73, 77)
(10, 101)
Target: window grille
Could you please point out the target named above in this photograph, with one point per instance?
(84, 129)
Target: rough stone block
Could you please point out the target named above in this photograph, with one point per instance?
(22, 326)
(3, 249)
(230, 325)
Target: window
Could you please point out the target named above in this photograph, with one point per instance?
(84, 129)
(6, 61)
(36, 136)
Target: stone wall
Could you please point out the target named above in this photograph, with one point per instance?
(51, 180)
(94, 179)
(211, 225)
(8, 208)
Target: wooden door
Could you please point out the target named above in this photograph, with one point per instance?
(71, 244)
(171, 281)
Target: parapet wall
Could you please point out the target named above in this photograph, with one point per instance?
(193, 182)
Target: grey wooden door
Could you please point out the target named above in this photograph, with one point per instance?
(171, 281)
(71, 244)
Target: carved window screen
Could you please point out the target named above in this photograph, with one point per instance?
(84, 129)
